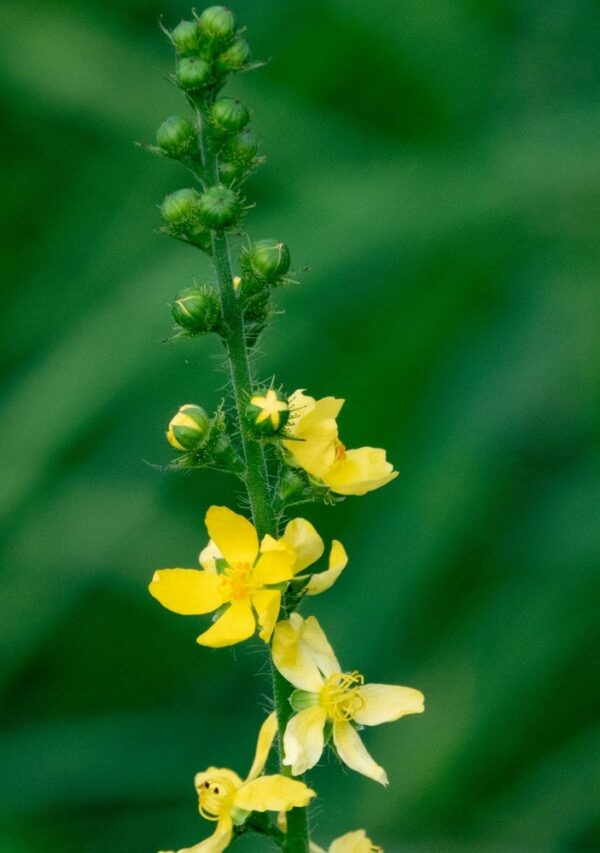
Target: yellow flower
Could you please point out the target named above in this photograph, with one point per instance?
(352, 842)
(242, 580)
(227, 800)
(316, 448)
(328, 698)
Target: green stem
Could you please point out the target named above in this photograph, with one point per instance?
(256, 479)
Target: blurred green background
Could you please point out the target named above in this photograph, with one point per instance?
(435, 163)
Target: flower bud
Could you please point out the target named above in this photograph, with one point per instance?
(267, 412)
(180, 210)
(218, 23)
(267, 259)
(188, 429)
(229, 173)
(235, 57)
(196, 310)
(230, 115)
(219, 207)
(176, 136)
(186, 38)
(193, 74)
(242, 148)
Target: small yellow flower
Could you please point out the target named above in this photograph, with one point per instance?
(352, 842)
(243, 580)
(316, 448)
(228, 801)
(326, 696)
(269, 412)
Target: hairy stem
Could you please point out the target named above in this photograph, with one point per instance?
(256, 478)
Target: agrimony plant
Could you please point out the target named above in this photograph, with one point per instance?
(256, 573)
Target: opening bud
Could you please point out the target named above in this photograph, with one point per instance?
(218, 23)
(189, 428)
(180, 210)
(242, 148)
(186, 38)
(196, 310)
(219, 207)
(230, 115)
(267, 259)
(176, 136)
(235, 57)
(193, 74)
(267, 412)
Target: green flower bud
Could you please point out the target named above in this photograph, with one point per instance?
(196, 310)
(180, 210)
(186, 38)
(188, 429)
(229, 173)
(267, 412)
(193, 74)
(176, 136)
(230, 115)
(267, 259)
(242, 148)
(219, 207)
(235, 57)
(218, 23)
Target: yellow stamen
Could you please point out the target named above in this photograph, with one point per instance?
(340, 697)
(238, 581)
(340, 451)
(215, 797)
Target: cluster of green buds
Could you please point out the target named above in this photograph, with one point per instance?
(201, 441)
(264, 265)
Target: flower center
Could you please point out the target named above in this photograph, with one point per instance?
(238, 580)
(340, 451)
(215, 796)
(340, 695)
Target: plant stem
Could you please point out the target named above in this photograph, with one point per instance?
(256, 478)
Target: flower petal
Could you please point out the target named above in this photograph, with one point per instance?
(267, 603)
(303, 740)
(315, 450)
(188, 591)
(209, 556)
(360, 471)
(384, 703)
(274, 567)
(338, 560)
(352, 842)
(234, 626)
(292, 658)
(233, 534)
(273, 793)
(217, 842)
(305, 541)
(353, 752)
(266, 736)
(212, 773)
(313, 637)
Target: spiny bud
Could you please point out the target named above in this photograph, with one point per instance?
(196, 310)
(176, 136)
(267, 259)
(219, 207)
(235, 57)
(229, 173)
(180, 210)
(218, 23)
(188, 429)
(242, 148)
(230, 115)
(267, 412)
(186, 38)
(193, 74)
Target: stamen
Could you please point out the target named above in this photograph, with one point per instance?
(340, 696)
(214, 799)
